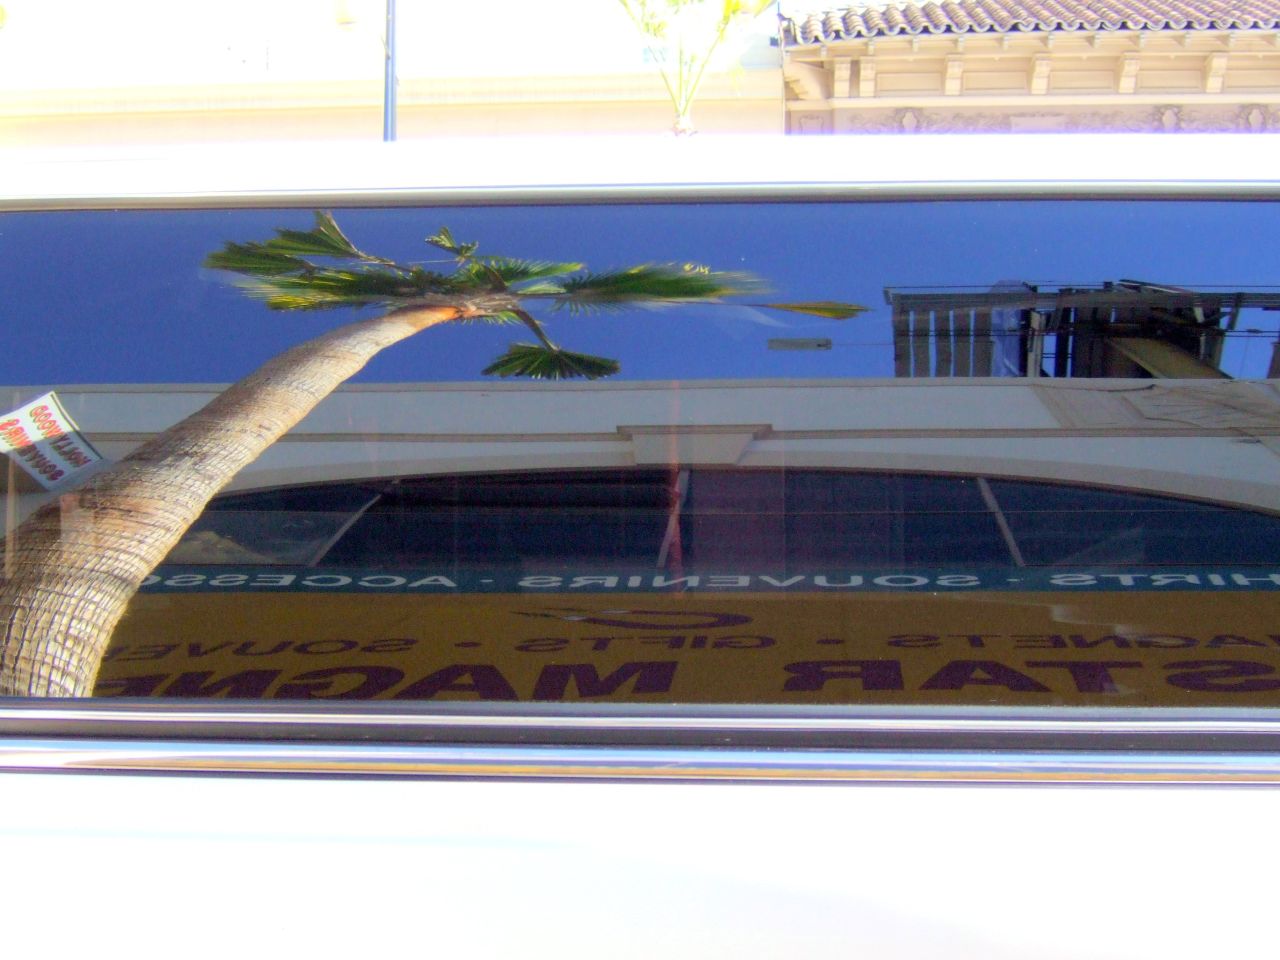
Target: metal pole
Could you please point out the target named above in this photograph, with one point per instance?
(389, 83)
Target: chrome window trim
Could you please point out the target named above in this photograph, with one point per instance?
(678, 193)
(1009, 736)
(645, 169)
(622, 717)
(636, 763)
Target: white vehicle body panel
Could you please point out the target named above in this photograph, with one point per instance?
(1132, 836)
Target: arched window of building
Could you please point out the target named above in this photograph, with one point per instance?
(793, 519)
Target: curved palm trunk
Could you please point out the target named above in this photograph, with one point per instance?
(80, 559)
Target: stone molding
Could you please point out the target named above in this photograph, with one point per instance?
(1172, 117)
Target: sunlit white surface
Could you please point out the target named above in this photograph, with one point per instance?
(466, 170)
(198, 868)
(154, 43)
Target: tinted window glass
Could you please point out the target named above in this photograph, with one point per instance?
(952, 452)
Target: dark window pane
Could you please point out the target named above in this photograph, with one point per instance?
(1196, 535)
(843, 491)
(513, 520)
(1021, 495)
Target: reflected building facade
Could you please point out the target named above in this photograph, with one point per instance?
(1125, 328)
(725, 541)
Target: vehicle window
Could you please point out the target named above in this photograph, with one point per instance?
(948, 452)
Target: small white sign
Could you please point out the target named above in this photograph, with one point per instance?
(45, 442)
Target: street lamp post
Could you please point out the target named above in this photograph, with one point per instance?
(346, 19)
(389, 82)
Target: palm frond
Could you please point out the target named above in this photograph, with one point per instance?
(513, 270)
(302, 300)
(652, 283)
(429, 281)
(328, 228)
(829, 309)
(323, 240)
(322, 289)
(540, 362)
(254, 259)
(540, 288)
(444, 240)
(284, 252)
(500, 316)
(499, 273)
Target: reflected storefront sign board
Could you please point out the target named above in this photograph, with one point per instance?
(42, 439)
(1097, 637)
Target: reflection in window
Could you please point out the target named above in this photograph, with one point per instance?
(1058, 524)
(786, 520)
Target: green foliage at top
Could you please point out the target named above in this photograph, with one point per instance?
(682, 36)
(660, 19)
(321, 269)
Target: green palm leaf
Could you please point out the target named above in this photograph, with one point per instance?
(652, 283)
(303, 300)
(540, 288)
(498, 273)
(501, 316)
(321, 289)
(283, 253)
(328, 228)
(540, 362)
(520, 271)
(254, 259)
(444, 240)
(324, 240)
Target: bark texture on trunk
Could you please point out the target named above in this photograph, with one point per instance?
(81, 558)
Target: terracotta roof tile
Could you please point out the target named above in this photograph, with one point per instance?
(1008, 16)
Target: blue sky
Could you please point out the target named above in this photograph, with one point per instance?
(117, 297)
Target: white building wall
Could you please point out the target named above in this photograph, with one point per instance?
(1216, 441)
